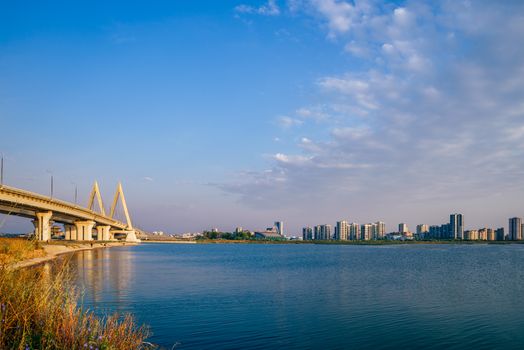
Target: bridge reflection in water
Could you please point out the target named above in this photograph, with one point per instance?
(101, 275)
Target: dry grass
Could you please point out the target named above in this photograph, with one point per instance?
(13, 250)
(39, 310)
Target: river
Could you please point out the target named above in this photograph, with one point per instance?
(284, 296)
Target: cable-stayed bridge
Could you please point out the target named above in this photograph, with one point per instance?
(80, 224)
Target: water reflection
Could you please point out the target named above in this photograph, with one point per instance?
(295, 297)
(102, 275)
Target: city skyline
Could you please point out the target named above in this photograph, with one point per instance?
(235, 113)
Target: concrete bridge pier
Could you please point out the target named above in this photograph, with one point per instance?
(103, 233)
(43, 226)
(84, 230)
(70, 232)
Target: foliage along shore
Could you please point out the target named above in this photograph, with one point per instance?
(234, 238)
(39, 309)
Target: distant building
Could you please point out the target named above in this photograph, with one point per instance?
(379, 230)
(422, 229)
(491, 234)
(325, 232)
(403, 228)
(365, 232)
(280, 227)
(445, 231)
(499, 234)
(434, 232)
(317, 233)
(214, 230)
(239, 229)
(456, 222)
(471, 235)
(515, 229)
(342, 230)
(307, 233)
(270, 232)
(354, 231)
(483, 234)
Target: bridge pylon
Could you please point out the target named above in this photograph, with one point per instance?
(120, 195)
(95, 192)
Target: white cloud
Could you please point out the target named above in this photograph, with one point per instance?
(268, 9)
(430, 119)
(288, 122)
(339, 14)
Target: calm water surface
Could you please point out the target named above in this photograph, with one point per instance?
(239, 296)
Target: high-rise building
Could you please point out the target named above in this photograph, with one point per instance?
(434, 231)
(380, 230)
(483, 234)
(317, 233)
(445, 231)
(365, 232)
(515, 229)
(280, 227)
(471, 235)
(325, 232)
(456, 222)
(403, 228)
(499, 234)
(422, 229)
(491, 234)
(342, 230)
(307, 233)
(354, 231)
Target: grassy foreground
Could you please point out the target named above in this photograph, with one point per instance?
(13, 250)
(39, 310)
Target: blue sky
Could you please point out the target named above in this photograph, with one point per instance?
(241, 113)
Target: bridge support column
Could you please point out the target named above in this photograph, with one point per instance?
(84, 230)
(70, 232)
(131, 236)
(43, 226)
(103, 233)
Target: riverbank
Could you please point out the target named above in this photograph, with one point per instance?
(54, 249)
(41, 308)
(365, 243)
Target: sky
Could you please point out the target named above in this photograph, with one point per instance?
(242, 113)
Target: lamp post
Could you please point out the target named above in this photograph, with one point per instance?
(76, 192)
(2, 171)
(52, 184)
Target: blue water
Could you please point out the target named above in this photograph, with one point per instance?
(240, 296)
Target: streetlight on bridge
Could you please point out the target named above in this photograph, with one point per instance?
(52, 184)
(76, 192)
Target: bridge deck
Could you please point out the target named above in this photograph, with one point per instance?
(14, 201)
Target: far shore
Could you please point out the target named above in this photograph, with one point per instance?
(54, 249)
(366, 243)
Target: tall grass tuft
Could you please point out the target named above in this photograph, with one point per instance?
(39, 310)
(13, 250)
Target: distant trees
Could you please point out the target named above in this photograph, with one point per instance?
(244, 235)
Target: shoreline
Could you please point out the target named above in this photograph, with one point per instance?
(54, 250)
(363, 243)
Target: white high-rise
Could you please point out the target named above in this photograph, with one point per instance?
(342, 230)
(379, 230)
